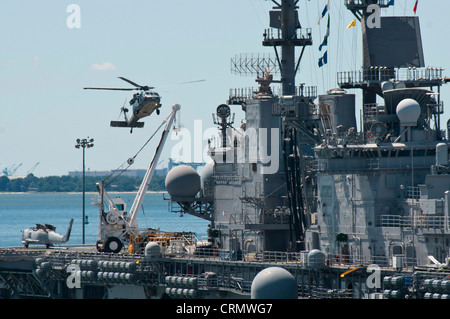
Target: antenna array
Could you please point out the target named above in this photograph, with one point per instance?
(254, 64)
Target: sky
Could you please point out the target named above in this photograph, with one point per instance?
(49, 54)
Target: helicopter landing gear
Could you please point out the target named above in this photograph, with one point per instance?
(158, 111)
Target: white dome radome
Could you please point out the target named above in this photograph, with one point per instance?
(408, 112)
(183, 181)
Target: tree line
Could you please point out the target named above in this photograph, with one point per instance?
(32, 183)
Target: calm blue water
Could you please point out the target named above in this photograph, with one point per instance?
(21, 211)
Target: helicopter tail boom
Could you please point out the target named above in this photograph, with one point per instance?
(67, 235)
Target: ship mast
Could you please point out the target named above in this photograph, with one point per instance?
(361, 12)
(286, 33)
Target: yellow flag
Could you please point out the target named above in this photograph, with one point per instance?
(352, 24)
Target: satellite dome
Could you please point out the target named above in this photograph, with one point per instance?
(408, 112)
(182, 182)
(274, 283)
(152, 249)
(387, 85)
(316, 259)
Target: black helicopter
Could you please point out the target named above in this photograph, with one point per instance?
(143, 104)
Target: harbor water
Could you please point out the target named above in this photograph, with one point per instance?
(24, 210)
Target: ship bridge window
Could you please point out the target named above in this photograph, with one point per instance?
(385, 153)
(416, 153)
(403, 153)
(397, 250)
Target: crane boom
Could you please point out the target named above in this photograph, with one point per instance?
(115, 227)
(137, 204)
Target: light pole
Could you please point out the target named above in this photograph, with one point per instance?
(83, 143)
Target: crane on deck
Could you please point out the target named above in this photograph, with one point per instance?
(116, 226)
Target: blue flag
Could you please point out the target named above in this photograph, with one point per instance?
(325, 39)
(323, 60)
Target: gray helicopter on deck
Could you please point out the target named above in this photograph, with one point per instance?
(45, 235)
(142, 104)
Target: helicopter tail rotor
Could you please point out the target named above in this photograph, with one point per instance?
(123, 110)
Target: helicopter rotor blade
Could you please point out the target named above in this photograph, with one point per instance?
(145, 88)
(112, 89)
(181, 83)
(131, 82)
(192, 81)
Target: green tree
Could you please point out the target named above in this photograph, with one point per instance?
(4, 184)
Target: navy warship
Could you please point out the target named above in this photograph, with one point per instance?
(302, 203)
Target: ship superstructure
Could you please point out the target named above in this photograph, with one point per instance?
(373, 195)
(259, 203)
(299, 185)
(383, 192)
(300, 175)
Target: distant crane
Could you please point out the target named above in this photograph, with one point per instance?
(10, 171)
(33, 168)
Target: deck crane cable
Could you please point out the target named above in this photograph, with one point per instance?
(130, 161)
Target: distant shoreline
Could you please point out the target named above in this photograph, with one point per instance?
(87, 193)
(67, 184)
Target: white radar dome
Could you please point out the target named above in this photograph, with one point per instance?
(182, 182)
(316, 259)
(152, 249)
(274, 283)
(408, 112)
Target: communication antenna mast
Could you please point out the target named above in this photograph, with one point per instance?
(286, 32)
